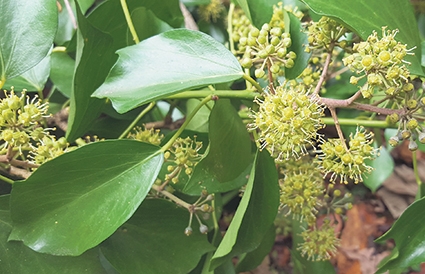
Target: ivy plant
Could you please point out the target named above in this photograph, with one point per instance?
(127, 128)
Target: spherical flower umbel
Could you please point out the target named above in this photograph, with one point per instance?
(382, 61)
(347, 163)
(288, 121)
(319, 243)
(301, 189)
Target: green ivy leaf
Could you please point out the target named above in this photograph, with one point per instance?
(95, 56)
(164, 65)
(33, 79)
(254, 258)
(27, 32)
(225, 165)
(62, 72)
(77, 200)
(146, 24)
(408, 233)
(383, 166)
(299, 40)
(66, 28)
(109, 18)
(258, 12)
(255, 214)
(365, 16)
(153, 241)
(17, 258)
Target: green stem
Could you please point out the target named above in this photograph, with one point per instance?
(186, 122)
(230, 27)
(355, 122)
(129, 21)
(205, 269)
(253, 82)
(7, 180)
(133, 124)
(241, 94)
(416, 171)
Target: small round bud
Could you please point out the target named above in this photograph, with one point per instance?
(393, 118)
(413, 145)
(412, 124)
(203, 229)
(259, 73)
(246, 62)
(411, 104)
(188, 231)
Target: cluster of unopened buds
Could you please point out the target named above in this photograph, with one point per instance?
(323, 33)
(201, 205)
(267, 47)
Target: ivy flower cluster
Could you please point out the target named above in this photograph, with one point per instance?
(267, 47)
(20, 119)
(324, 32)
(301, 189)
(347, 163)
(288, 121)
(182, 156)
(382, 62)
(150, 136)
(319, 243)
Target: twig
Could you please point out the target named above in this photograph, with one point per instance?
(71, 14)
(338, 128)
(323, 76)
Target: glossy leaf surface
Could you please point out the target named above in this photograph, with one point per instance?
(255, 214)
(408, 233)
(17, 258)
(77, 200)
(33, 79)
(299, 40)
(164, 65)
(109, 18)
(27, 32)
(95, 56)
(153, 241)
(229, 155)
(364, 16)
